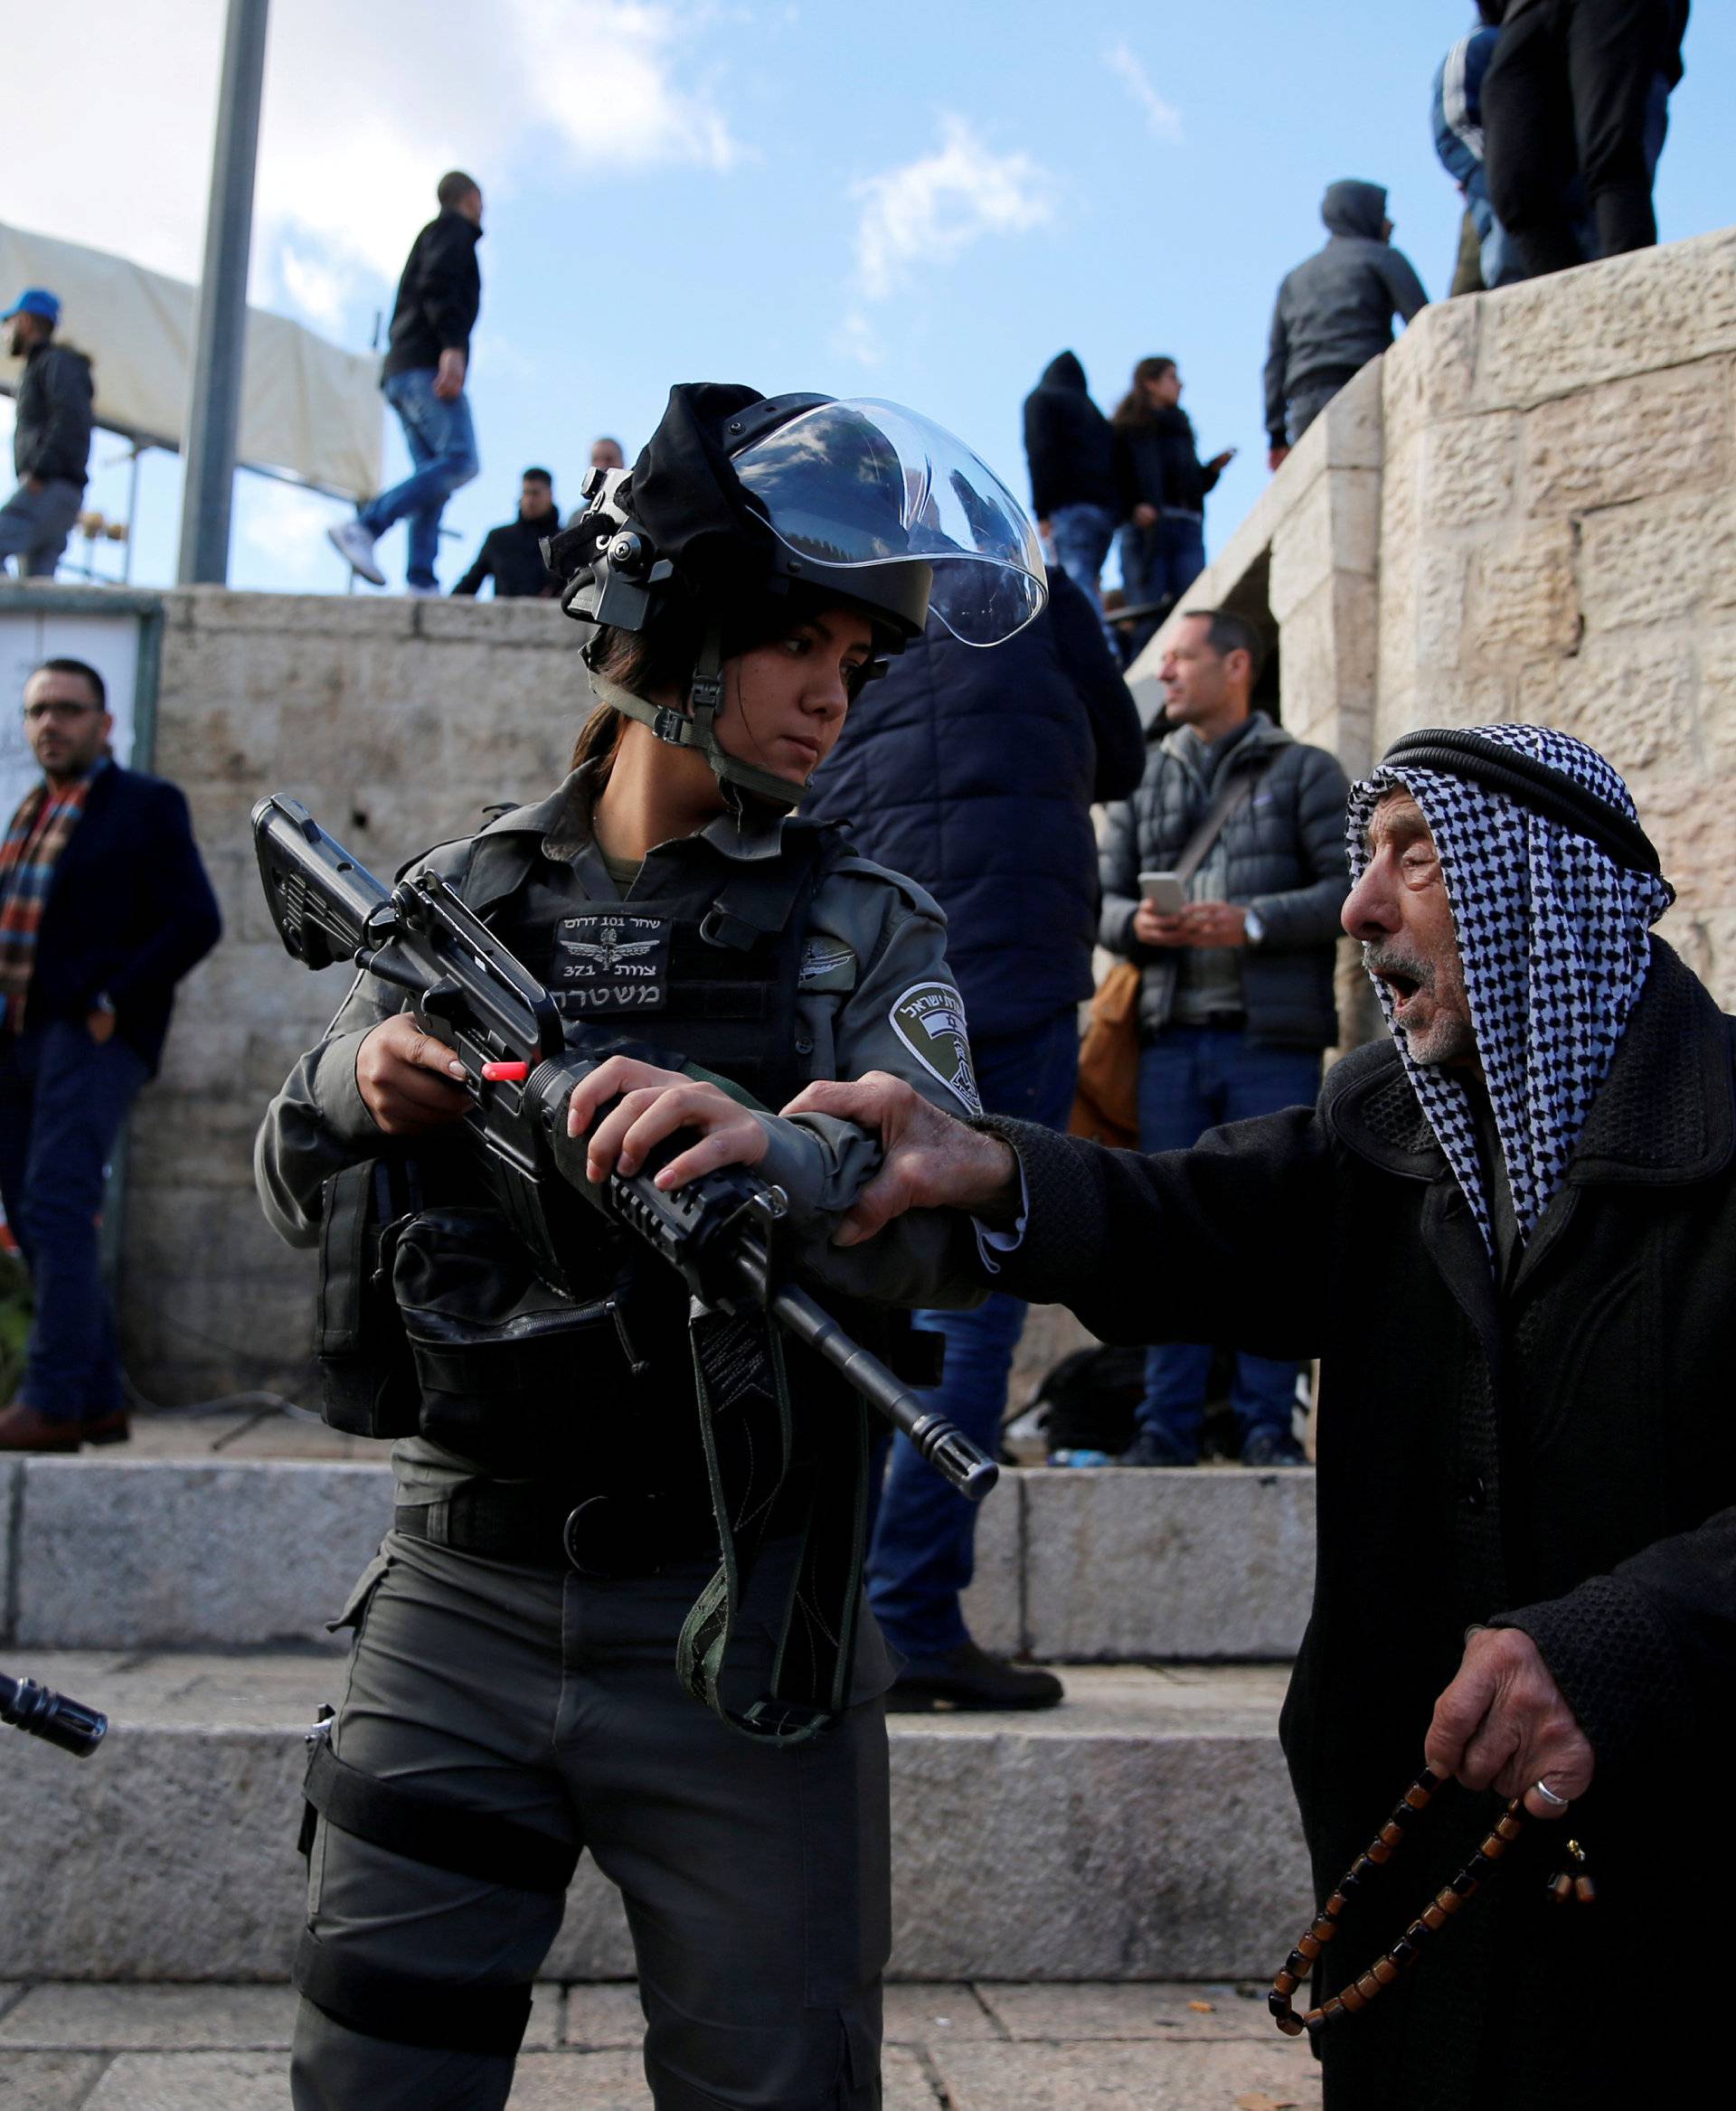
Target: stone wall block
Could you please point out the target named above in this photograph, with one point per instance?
(1523, 600)
(1658, 558)
(1658, 432)
(1631, 696)
(519, 621)
(1430, 372)
(1471, 467)
(1716, 651)
(994, 1605)
(1225, 1562)
(1442, 599)
(1308, 668)
(349, 616)
(1627, 315)
(1354, 421)
(167, 1553)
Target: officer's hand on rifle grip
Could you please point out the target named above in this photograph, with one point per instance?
(650, 1105)
(408, 1081)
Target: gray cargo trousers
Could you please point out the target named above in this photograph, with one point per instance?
(756, 1881)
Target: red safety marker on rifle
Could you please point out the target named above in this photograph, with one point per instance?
(505, 1073)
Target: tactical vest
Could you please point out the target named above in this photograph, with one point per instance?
(431, 1315)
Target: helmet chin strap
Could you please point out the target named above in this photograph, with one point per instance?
(697, 727)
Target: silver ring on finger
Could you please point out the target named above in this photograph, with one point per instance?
(1549, 1796)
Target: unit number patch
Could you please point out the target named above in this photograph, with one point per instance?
(608, 961)
(930, 1020)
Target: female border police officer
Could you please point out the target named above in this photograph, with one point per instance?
(510, 1698)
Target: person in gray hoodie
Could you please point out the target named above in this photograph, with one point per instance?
(1335, 311)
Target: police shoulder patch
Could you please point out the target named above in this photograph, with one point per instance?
(930, 1020)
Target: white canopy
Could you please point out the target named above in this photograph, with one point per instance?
(308, 410)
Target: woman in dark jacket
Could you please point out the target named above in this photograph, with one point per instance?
(1163, 484)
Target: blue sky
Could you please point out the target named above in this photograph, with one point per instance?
(924, 202)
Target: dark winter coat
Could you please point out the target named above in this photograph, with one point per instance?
(1283, 853)
(973, 772)
(439, 295)
(1335, 311)
(1068, 442)
(512, 556)
(50, 433)
(1157, 463)
(130, 910)
(1560, 1456)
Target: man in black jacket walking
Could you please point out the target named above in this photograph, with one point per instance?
(512, 555)
(50, 437)
(1509, 1234)
(428, 358)
(104, 906)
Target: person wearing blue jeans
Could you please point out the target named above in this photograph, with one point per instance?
(1222, 879)
(1082, 535)
(104, 906)
(422, 377)
(924, 1542)
(63, 1097)
(1192, 1078)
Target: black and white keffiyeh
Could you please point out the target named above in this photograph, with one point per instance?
(1555, 940)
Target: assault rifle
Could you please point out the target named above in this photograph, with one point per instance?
(522, 1061)
(42, 1713)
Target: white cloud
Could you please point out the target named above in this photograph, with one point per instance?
(283, 532)
(364, 106)
(1163, 119)
(934, 207)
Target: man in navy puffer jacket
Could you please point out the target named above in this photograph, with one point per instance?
(974, 773)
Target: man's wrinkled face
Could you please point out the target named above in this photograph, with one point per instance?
(1400, 912)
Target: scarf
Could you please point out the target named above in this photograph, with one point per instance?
(1553, 937)
(38, 834)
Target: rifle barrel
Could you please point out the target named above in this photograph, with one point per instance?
(55, 1717)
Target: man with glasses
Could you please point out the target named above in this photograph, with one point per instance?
(104, 906)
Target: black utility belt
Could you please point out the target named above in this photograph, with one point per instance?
(604, 1536)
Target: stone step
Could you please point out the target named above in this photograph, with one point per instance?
(1208, 1564)
(1143, 1831)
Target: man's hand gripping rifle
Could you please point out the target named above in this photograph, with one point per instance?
(523, 1062)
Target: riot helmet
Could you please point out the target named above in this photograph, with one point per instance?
(743, 510)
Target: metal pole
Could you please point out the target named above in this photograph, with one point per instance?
(132, 514)
(214, 407)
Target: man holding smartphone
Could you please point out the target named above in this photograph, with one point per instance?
(1222, 878)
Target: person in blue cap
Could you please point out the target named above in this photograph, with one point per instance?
(50, 437)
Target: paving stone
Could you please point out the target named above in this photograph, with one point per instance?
(193, 2081)
(1190, 1562)
(1124, 2078)
(142, 2018)
(922, 2015)
(166, 1553)
(578, 2081)
(600, 2018)
(1168, 2013)
(904, 2081)
(52, 2081)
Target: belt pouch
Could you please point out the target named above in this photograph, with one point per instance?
(502, 1359)
(367, 1380)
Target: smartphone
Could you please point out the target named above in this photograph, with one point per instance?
(1165, 891)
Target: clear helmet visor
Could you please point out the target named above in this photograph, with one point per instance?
(862, 483)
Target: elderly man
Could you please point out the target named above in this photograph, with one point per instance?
(1509, 1234)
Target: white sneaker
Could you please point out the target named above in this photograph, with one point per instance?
(354, 545)
(424, 593)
